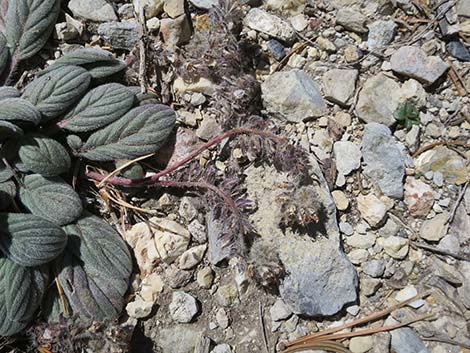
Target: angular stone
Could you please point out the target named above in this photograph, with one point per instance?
(292, 96)
(446, 161)
(378, 100)
(139, 308)
(183, 307)
(204, 4)
(280, 311)
(120, 35)
(419, 197)
(381, 34)
(192, 257)
(175, 31)
(351, 20)
(174, 8)
(384, 162)
(151, 8)
(340, 85)
(361, 344)
(374, 268)
(405, 340)
(347, 156)
(93, 10)
(372, 209)
(413, 62)
(272, 25)
(341, 201)
(435, 229)
(395, 246)
(361, 241)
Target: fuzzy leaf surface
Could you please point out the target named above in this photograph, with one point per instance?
(43, 155)
(54, 92)
(99, 107)
(7, 193)
(141, 131)
(96, 269)
(9, 92)
(21, 292)
(51, 199)
(99, 63)
(30, 240)
(4, 53)
(29, 23)
(5, 172)
(8, 130)
(17, 109)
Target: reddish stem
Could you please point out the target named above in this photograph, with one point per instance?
(154, 178)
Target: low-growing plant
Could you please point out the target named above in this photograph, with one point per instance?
(407, 114)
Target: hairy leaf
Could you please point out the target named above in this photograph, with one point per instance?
(9, 92)
(141, 131)
(98, 62)
(29, 23)
(18, 109)
(55, 92)
(21, 292)
(99, 107)
(5, 172)
(96, 269)
(4, 53)
(30, 240)
(7, 193)
(3, 14)
(43, 155)
(51, 199)
(8, 130)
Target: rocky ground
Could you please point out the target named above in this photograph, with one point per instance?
(377, 92)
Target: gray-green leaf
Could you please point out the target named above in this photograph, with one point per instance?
(4, 53)
(96, 269)
(9, 92)
(5, 172)
(30, 240)
(8, 130)
(98, 62)
(51, 199)
(21, 291)
(99, 107)
(7, 193)
(54, 92)
(18, 109)
(141, 131)
(43, 155)
(29, 23)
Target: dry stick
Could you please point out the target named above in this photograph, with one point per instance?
(356, 322)
(440, 251)
(440, 143)
(457, 203)
(325, 345)
(148, 181)
(262, 327)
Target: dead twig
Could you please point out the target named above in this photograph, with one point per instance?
(440, 143)
(263, 328)
(457, 203)
(440, 251)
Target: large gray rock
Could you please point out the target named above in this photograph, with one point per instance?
(378, 100)
(292, 96)
(319, 279)
(269, 24)
(405, 340)
(383, 159)
(93, 10)
(413, 62)
(463, 8)
(351, 19)
(178, 338)
(381, 33)
(120, 35)
(340, 85)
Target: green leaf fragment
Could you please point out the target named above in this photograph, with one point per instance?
(51, 199)
(9, 92)
(55, 92)
(141, 131)
(30, 240)
(99, 107)
(43, 155)
(29, 23)
(96, 269)
(4, 53)
(21, 292)
(18, 109)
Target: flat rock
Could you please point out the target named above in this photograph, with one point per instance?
(446, 161)
(93, 10)
(372, 209)
(395, 246)
(361, 241)
(419, 197)
(320, 280)
(280, 311)
(374, 268)
(120, 35)
(183, 307)
(293, 96)
(413, 62)
(405, 340)
(192, 257)
(347, 156)
(435, 229)
(381, 34)
(351, 20)
(361, 344)
(178, 338)
(384, 162)
(151, 8)
(272, 25)
(378, 100)
(339, 85)
(204, 4)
